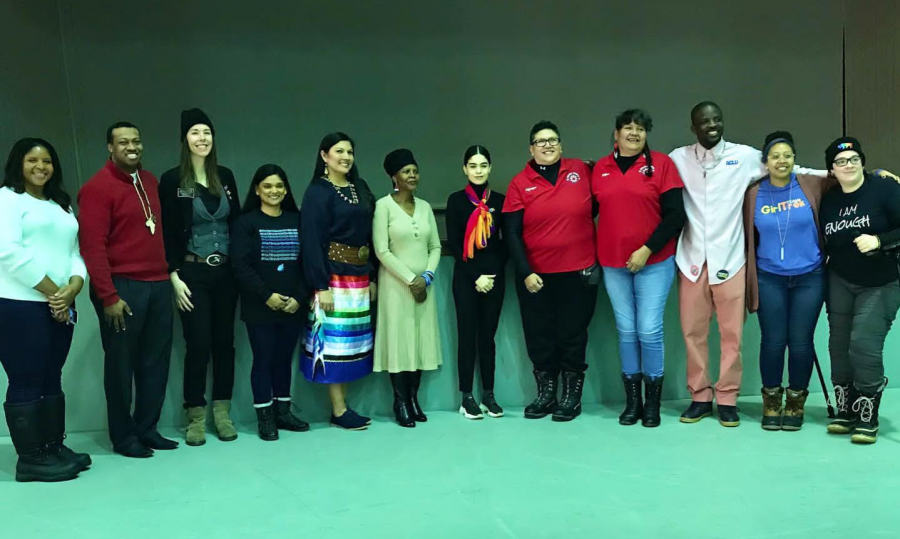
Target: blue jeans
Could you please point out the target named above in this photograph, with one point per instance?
(789, 309)
(639, 302)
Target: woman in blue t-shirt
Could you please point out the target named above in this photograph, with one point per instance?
(785, 277)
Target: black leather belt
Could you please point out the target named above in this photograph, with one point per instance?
(214, 260)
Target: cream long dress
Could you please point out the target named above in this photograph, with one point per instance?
(406, 335)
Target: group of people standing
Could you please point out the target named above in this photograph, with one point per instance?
(717, 214)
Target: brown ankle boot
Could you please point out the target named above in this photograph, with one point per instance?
(224, 425)
(772, 407)
(793, 410)
(196, 429)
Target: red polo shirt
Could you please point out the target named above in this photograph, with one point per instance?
(629, 207)
(558, 228)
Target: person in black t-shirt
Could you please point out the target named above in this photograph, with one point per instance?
(474, 224)
(861, 223)
(266, 260)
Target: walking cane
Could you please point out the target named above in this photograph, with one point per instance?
(824, 387)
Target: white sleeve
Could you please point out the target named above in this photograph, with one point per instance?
(16, 259)
(810, 171)
(78, 267)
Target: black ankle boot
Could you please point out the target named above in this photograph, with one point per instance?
(634, 406)
(402, 408)
(35, 463)
(53, 411)
(417, 413)
(866, 405)
(570, 404)
(546, 402)
(653, 386)
(265, 420)
(286, 420)
(845, 419)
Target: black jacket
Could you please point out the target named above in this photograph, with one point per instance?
(177, 213)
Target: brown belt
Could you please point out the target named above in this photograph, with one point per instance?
(348, 254)
(212, 260)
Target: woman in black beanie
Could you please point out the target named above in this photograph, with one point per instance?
(405, 236)
(199, 204)
(861, 225)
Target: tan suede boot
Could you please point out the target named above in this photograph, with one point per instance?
(773, 399)
(196, 429)
(224, 425)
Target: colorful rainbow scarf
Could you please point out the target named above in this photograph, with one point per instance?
(480, 225)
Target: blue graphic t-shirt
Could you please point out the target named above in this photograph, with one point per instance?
(783, 214)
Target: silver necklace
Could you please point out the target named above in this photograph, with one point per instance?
(716, 160)
(790, 203)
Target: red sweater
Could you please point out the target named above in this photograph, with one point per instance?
(114, 238)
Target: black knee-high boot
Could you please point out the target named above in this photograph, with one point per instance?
(27, 433)
(401, 382)
(417, 413)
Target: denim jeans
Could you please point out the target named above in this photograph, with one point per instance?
(639, 302)
(789, 309)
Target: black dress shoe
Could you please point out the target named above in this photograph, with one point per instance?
(728, 416)
(133, 449)
(696, 411)
(154, 440)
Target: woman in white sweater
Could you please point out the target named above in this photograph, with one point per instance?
(41, 272)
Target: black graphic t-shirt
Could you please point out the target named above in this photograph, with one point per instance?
(872, 209)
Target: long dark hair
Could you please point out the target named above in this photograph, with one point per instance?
(14, 179)
(210, 163)
(252, 201)
(328, 142)
(476, 149)
(643, 119)
(362, 189)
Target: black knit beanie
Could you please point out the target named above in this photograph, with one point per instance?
(842, 144)
(192, 117)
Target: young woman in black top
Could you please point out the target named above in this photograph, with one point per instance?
(266, 258)
(474, 224)
(199, 204)
(861, 224)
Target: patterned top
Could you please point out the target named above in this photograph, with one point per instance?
(266, 260)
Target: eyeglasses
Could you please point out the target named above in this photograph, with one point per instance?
(541, 143)
(842, 162)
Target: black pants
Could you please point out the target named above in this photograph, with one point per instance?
(208, 331)
(139, 355)
(273, 348)
(477, 318)
(555, 321)
(33, 349)
(859, 318)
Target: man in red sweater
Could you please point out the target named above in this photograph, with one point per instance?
(121, 242)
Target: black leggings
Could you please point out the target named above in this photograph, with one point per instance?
(477, 317)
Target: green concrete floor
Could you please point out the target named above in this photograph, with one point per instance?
(496, 478)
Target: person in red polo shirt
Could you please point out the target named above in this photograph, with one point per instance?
(122, 246)
(641, 213)
(550, 230)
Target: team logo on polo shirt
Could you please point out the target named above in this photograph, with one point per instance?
(731, 162)
(645, 170)
(573, 177)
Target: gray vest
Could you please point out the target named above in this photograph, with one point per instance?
(209, 232)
